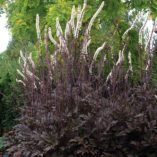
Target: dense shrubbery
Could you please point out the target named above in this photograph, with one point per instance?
(10, 94)
(89, 124)
(73, 109)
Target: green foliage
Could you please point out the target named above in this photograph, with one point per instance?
(21, 18)
(1, 142)
(138, 54)
(10, 93)
(61, 9)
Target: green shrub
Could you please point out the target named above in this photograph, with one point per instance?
(10, 94)
(1, 143)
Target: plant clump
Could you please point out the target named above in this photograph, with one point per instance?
(73, 109)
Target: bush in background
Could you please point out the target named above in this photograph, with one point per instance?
(10, 94)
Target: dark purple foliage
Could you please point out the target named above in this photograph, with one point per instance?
(70, 112)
